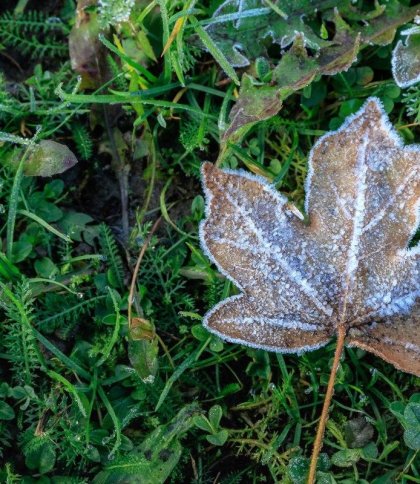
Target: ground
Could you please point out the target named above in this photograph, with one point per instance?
(86, 395)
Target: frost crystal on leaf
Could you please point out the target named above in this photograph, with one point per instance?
(115, 11)
(406, 59)
(237, 23)
(350, 266)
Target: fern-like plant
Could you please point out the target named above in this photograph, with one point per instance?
(110, 250)
(33, 33)
(81, 137)
(411, 99)
(18, 340)
(64, 317)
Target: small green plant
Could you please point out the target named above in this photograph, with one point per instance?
(211, 425)
(409, 417)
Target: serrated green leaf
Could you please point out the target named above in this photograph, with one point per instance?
(142, 469)
(255, 103)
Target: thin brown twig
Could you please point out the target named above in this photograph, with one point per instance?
(133, 286)
(137, 268)
(408, 125)
(341, 336)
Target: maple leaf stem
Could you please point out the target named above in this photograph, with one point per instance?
(341, 336)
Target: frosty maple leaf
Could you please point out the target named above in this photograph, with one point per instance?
(350, 267)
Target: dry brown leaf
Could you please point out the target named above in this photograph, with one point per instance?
(349, 269)
(86, 51)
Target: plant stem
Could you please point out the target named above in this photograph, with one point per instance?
(341, 336)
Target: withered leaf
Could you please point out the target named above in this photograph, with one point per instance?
(86, 51)
(349, 267)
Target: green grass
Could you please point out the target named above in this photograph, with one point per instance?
(82, 394)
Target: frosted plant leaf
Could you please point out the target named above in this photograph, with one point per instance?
(349, 267)
(114, 12)
(406, 59)
(237, 23)
(47, 158)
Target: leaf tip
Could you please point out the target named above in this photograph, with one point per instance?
(209, 174)
(374, 108)
(207, 169)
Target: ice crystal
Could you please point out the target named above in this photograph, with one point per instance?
(349, 266)
(406, 58)
(113, 12)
